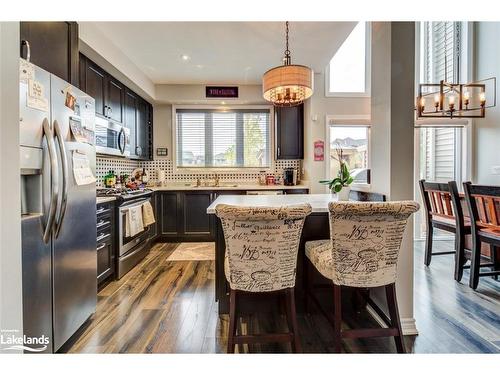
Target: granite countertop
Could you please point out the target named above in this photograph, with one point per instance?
(105, 199)
(318, 202)
(227, 186)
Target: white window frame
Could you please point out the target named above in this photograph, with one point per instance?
(205, 170)
(464, 142)
(368, 69)
(345, 121)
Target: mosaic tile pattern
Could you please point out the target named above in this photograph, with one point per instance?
(121, 165)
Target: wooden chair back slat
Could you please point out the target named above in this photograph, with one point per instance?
(440, 203)
(484, 205)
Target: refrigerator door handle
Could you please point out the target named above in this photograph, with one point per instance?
(54, 169)
(64, 163)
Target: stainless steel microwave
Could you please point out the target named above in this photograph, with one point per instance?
(111, 138)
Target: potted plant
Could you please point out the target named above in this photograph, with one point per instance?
(340, 185)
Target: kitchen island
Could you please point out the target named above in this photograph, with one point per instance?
(316, 227)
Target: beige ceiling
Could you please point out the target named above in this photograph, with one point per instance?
(222, 52)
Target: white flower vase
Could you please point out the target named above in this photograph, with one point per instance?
(343, 195)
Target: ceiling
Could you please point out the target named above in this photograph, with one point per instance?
(222, 52)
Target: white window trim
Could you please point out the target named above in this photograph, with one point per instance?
(348, 120)
(221, 169)
(466, 75)
(368, 70)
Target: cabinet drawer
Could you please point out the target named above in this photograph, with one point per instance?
(105, 260)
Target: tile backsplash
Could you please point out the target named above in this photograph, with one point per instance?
(120, 166)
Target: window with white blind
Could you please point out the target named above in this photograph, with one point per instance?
(441, 148)
(234, 138)
(440, 60)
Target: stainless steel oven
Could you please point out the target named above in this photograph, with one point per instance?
(111, 138)
(131, 250)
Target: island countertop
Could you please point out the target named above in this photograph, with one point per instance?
(318, 202)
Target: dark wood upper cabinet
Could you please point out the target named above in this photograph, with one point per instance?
(289, 132)
(93, 82)
(114, 99)
(142, 130)
(131, 105)
(116, 102)
(53, 47)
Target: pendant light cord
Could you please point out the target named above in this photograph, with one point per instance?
(287, 59)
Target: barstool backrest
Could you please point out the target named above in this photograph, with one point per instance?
(366, 238)
(262, 245)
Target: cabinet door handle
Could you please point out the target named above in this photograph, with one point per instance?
(138, 150)
(28, 49)
(101, 247)
(279, 151)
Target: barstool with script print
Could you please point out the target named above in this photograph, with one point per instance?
(261, 257)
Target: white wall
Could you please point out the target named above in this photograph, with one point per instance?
(486, 132)
(319, 106)
(10, 200)
(393, 72)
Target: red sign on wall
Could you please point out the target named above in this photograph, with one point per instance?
(319, 151)
(221, 91)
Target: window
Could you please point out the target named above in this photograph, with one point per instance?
(211, 138)
(441, 147)
(348, 71)
(353, 137)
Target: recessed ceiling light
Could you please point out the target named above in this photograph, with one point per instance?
(185, 57)
(223, 102)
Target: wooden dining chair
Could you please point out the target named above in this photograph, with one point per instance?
(443, 210)
(261, 258)
(362, 253)
(483, 203)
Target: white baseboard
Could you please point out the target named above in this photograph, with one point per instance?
(408, 325)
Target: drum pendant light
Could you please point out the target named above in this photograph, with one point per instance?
(287, 85)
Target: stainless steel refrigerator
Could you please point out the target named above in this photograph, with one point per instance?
(58, 214)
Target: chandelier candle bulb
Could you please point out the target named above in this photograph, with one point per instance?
(422, 103)
(436, 101)
(451, 102)
(482, 99)
(466, 98)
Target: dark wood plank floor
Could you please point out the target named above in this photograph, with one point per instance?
(168, 307)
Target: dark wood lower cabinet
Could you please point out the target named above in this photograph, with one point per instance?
(105, 242)
(182, 215)
(196, 222)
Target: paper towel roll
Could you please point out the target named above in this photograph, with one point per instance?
(161, 175)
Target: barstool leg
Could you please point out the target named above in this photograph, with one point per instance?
(292, 320)
(337, 319)
(392, 303)
(232, 321)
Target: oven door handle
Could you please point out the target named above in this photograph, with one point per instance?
(125, 207)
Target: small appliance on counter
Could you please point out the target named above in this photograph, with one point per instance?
(290, 177)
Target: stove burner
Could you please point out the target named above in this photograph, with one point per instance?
(123, 193)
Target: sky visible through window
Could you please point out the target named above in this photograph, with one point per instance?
(348, 65)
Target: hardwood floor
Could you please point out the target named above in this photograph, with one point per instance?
(166, 306)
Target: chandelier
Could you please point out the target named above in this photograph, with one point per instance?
(287, 85)
(456, 100)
